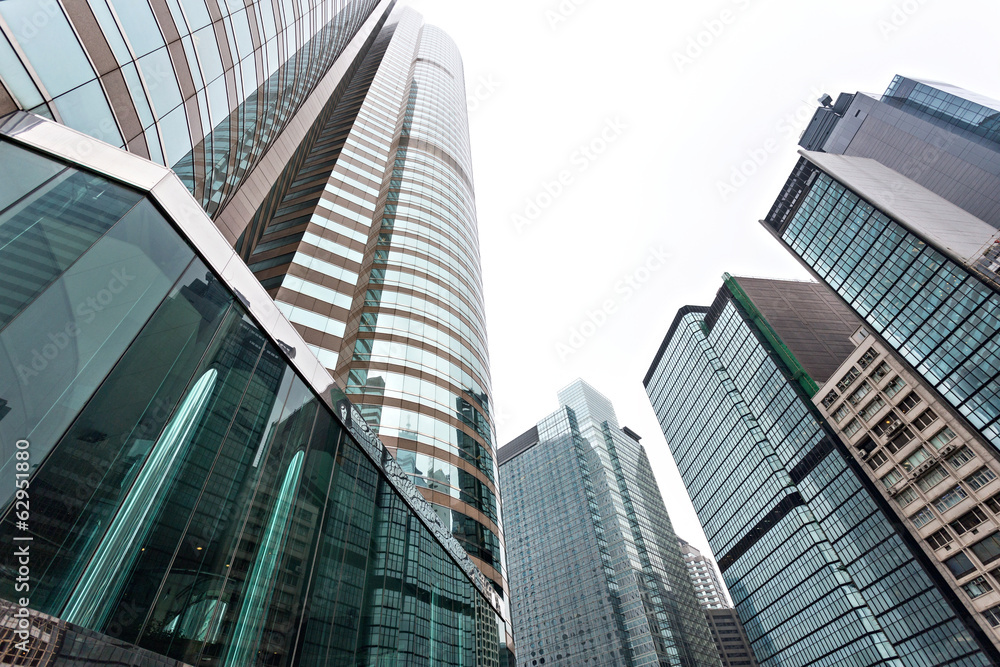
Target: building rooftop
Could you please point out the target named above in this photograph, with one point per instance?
(952, 230)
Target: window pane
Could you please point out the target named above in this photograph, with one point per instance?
(59, 347)
(52, 49)
(32, 170)
(43, 234)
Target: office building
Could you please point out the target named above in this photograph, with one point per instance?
(701, 570)
(199, 486)
(916, 262)
(596, 573)
(352, 115)
(368, 244)
(331, 148)
(940, 136)
(818, 568)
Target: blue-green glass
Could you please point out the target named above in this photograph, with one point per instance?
(62, 345)
(940, 317)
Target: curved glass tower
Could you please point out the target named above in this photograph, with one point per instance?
(415, 348)
(205, 88)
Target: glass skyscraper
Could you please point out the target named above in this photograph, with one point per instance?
(818, 570)
(596, 571)
(918, 263)
(328, 145)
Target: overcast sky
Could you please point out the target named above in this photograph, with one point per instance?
(625, 151)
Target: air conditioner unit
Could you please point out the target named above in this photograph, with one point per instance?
(946, 449)
(892, 428)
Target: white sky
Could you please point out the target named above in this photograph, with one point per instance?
(543, 82)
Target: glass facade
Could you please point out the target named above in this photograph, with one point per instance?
(942, 317)
(190, 492)
(956, 106)
(817, 570)
(596, 573)
(201, 86)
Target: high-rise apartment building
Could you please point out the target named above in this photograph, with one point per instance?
(329, 145)
(727, 631)
(730, 637)
(596, 573)
(940, 476)
(819, 570)
(704, 576)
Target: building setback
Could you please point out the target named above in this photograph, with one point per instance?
(328, 144)
(818, 569)
(595, 568)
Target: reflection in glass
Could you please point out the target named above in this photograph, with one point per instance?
(261, 583)
(114, 556)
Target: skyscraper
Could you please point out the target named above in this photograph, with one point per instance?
(331, 147)
(703, 575)
(917, 262)
(810, 551)
(935, 134)
(595, 567)
(350, 115)
(368, 243)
